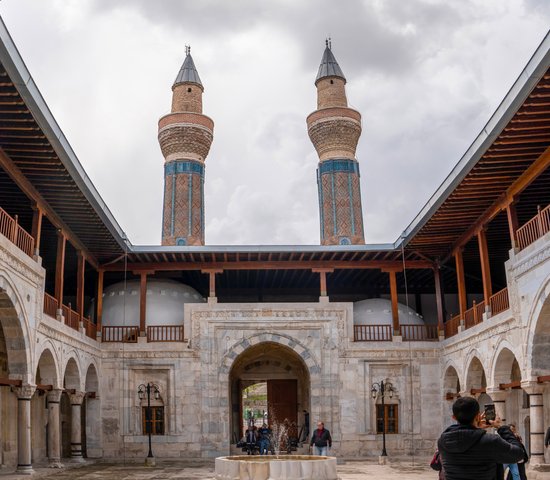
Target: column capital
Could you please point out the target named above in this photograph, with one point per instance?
(532, 387)
(54, 396)
(77, 397)
(24, 392)
(497, 395)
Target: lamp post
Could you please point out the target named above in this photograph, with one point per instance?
(381, 388)
(145, 390)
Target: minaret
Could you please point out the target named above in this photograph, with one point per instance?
(334, 130)
(185, 136)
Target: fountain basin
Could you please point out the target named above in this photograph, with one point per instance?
(275, 467)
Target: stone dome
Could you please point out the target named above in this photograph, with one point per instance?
(377, 311)
(165, 302)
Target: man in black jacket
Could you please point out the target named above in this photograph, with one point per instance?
(321, 440)
(468, 452)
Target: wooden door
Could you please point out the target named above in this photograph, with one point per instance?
(282, 401)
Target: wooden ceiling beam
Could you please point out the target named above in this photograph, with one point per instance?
(539, 166)
(268, 265)
(30, 191)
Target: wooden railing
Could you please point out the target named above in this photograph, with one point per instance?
(89, 327)
(451, 326)
(372, 333)
(165, 333)
(72, 318)
(120, 334)
(10, 228)
(419, 332)
(474, 315)
(535, 228)
(50, 305)
(499, 302)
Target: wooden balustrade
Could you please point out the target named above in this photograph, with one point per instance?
(499, 302)
(451, 326)
(50, 305)
(372, 333)
(10, 228)
(72, 318)
(165, 333)
(535, 228)
(474, 315)
(120, 334)
(90, 328)
(419, 332)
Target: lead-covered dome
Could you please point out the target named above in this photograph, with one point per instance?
(377, 311)
(165, 302)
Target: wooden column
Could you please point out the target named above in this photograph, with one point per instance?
(60, 268)
(512, 222)
(394, 302)
(80, 271)
(99, 301)
(212, 281)
(36, 228)
(462, 299)
(323, 279)
(485, 266)
(439, 301)
(142, 302)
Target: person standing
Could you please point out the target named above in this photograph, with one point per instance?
(469, 452)
(321, 440)
(517, 471)
(264, 434)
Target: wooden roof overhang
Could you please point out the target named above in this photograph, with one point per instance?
(510, 153)
(35, 154)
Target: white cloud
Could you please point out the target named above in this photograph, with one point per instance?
(426, 75)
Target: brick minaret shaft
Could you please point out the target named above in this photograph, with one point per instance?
(334, 130)
(185, 136)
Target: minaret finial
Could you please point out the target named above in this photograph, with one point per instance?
(326, 42)
(330, 42)
(187, 50)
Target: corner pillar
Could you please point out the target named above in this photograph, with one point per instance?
(323, 291)
(394, 302)
(80, 273)
(439, 301)
(536, 419)
(461, 281)
(24, 395)
(36, 228)
(485, 266)
(76, 400)
(512, 223)
(54, 436)
(60, 269)
(211, 283)
(99, 302)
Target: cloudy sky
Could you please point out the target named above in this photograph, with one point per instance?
(425, 74)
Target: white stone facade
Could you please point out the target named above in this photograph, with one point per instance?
(194, 377)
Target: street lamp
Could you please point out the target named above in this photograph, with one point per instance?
(381, 388)
(145, 390)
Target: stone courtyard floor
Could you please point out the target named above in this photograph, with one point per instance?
(198, 470)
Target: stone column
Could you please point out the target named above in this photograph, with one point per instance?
(76, 399)
(499, 399)
(54, 437)
(24, 395)
(536, 419)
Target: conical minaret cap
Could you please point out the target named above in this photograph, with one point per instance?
(188, 72)
(329, 66)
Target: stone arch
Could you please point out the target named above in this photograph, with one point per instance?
(504, 366)
(72, 378)
(15, 332)
(538, 337)
(278, 338)
(91, 381)
(475, 374)
(47, 368)
(451, 381)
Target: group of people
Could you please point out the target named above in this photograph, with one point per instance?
(261, 439)
(466, 450)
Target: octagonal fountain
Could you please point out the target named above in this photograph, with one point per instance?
(275, 467)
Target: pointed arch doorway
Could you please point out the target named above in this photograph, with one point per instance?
(268, 382)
